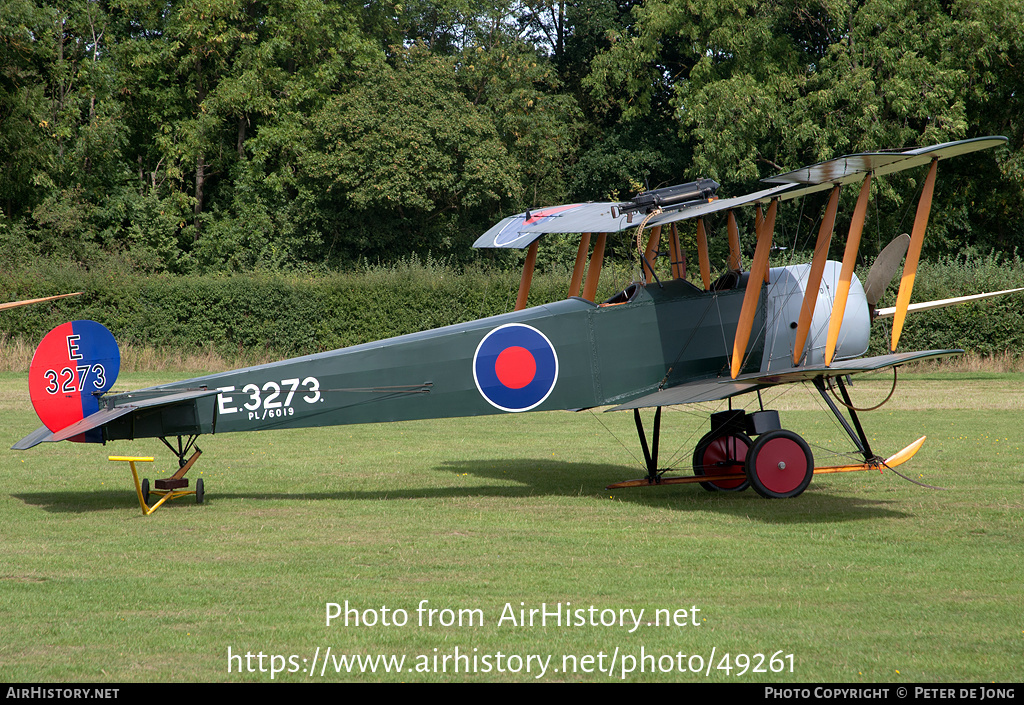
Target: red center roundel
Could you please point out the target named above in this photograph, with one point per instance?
(515, 367)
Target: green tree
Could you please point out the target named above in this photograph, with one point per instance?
(756, 88)
(407, 163)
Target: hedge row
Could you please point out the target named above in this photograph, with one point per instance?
(989, 327)
(255, 314)
(280, 314)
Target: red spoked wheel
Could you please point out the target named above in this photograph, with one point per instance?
(722, 453)
(780, 464)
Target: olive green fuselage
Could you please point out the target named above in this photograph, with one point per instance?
(606, 354)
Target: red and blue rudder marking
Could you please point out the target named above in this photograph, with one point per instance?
(515, 367)
(73, 364)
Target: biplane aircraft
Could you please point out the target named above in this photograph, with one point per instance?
(659, 342)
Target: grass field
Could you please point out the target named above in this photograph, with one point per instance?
(863, 578)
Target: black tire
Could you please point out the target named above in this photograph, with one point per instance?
(145, 491)
(780, 465)
(721, 450)
(200, 492)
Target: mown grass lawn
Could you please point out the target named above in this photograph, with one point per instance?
(863, 578)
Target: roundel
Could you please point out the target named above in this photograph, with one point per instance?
(515, 367)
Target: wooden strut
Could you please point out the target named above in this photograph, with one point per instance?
(594, 270)
(527, 278)
(702, 255)
(581, 260)
(735, 262)
(924, 207)
(846, 272)
(677, 256)
(814, 275)
(758, 272)
(651, 252)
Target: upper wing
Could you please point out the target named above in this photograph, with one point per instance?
(851, 167)
(519, 231)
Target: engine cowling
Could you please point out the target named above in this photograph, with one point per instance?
(782, 312)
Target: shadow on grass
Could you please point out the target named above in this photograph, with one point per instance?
(530, 478)
(548, 477)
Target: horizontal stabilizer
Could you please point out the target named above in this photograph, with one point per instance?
(106, 416)
(40, 435)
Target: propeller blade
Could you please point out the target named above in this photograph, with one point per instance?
(846, 272)
(924, 207)
(814, 276)
(758, 270)
(884, 269)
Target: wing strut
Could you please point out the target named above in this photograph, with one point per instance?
(581, 260)
(758, 271)
(527, 278)
(734, 244)
(702, 254)
(846, 273)
(653, 243)
(594, 270)
(814, 277)
(676, 254)
(924, 207)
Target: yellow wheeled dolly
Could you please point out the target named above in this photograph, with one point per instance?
(170, 488)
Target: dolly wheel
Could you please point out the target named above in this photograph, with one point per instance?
(145, 490)
(199, 491)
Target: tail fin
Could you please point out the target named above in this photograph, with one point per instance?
(73, 365)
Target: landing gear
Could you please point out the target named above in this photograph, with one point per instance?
(780, 465)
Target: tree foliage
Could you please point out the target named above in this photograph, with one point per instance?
(234, 135)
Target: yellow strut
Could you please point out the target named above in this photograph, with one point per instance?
(167, 494)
